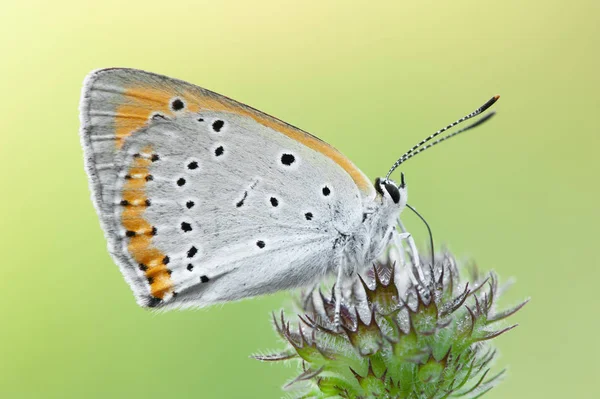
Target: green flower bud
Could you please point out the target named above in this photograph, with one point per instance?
(399, 337)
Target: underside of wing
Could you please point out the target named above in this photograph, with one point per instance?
(204, 199)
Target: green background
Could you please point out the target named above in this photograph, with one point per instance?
(518, 195)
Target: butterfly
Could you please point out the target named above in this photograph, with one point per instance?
(205, 200)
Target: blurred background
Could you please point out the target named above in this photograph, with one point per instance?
(519, 195)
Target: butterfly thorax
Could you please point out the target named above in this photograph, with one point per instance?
(377, 228)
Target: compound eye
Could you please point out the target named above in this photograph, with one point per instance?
(393, 192)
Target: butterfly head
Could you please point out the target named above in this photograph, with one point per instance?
(392, 194)
(382, 215)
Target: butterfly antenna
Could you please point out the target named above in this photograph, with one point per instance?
(428, 229)
(413, 151)
(477, 123)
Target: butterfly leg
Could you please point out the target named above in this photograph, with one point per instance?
(416, 260)
(338, 294)
(398, 249)
(419, 283)
(415, 255)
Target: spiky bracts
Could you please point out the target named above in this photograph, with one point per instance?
(398, 339)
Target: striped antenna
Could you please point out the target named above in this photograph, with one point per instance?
(415, 150)
(479, 122)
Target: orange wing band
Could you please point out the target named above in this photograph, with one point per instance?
(151, 260)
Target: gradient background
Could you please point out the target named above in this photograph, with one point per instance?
(519, 195)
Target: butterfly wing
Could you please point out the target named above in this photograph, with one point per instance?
(204, 199)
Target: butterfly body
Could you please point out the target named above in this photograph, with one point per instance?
(205, 200)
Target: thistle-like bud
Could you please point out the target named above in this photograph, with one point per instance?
(405, 332)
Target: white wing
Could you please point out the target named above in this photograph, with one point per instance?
(205, 200)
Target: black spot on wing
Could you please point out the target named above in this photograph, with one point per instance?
(192, 252)
(288, 159)
(156, 117)
(153, 302)
(186, 227)
(177, 105)
(241, 202)
(218, 125)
